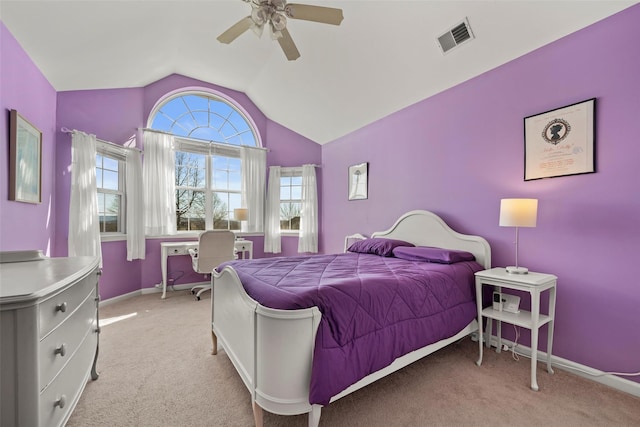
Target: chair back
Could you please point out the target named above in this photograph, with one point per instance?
(214, 248)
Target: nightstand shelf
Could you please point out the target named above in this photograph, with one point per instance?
(534, 284)
(523, 319)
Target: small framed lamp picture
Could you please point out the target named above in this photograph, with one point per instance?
(358, 181)
(25, 160)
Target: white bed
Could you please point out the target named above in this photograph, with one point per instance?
(272, 349)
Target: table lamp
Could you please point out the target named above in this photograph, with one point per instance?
(518, 213)
(241, 214)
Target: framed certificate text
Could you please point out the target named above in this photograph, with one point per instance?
(560, 142)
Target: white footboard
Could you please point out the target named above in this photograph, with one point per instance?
(271, 349)
(284, 351)
(233, 323)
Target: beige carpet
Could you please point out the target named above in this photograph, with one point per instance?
(156, 370)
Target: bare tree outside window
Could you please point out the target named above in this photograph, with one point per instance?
(190, 196)
(290, 216)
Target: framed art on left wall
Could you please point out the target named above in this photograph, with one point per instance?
(25, 160)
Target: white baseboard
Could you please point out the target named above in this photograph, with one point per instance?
(155, 290)
(119, 298)
(587, 372)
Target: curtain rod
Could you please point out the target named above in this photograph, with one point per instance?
(297, 167)
(67, 130)
(202, 140)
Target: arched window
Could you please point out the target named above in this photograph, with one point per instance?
(209, 131)
(203, 116)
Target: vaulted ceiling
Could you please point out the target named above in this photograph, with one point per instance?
(382, 58)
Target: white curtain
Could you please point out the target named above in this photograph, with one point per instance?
(84, 227)
(272, 217)
(159, 184)
(135, 206)
(308, 237)
(254, 175)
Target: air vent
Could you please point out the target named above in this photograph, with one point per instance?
(456, 36)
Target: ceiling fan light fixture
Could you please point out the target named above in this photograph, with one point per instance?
(259, 15)
(275, 34)
(279, 21)
(257, 29)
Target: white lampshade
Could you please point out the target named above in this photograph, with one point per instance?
(241, 214)
(518, 212)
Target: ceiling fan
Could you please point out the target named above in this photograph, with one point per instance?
(274, 13)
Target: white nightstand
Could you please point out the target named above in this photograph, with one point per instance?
(534, 284)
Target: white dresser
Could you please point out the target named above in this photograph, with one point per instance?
(48, 338)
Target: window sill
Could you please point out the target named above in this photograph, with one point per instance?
(113, 237)
(196, 234)
(118, 237)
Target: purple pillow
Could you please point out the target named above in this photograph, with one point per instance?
(377, 246)
(431, 254)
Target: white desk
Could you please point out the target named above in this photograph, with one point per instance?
(245, 247)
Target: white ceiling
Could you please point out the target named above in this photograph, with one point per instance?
(383, 57)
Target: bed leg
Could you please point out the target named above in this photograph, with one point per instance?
(257, 414)
(314, 415)
(214, 339)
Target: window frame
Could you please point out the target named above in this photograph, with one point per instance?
(290, 172)
(212, 95)
(117, 154)
(209, 150)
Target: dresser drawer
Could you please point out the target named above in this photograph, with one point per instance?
(57, 308)
(68, 385)
(57, 348)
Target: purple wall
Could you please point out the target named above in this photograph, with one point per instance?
(459, 152)
(115, 115)
(112, 115)
(283, 153)
(25, 89)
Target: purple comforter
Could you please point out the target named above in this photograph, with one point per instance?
(374, 309)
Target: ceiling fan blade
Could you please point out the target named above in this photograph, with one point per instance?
(235, 30)
(307, 12)
(288, 46)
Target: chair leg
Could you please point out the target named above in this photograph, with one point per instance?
(204, 289)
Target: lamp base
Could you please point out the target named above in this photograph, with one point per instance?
(517, 270)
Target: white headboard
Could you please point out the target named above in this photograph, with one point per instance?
(424, 228)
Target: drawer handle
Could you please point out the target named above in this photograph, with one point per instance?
(62, 350)
(62, 307)
(62, 400)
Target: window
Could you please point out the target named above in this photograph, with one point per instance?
(111, 195)
(190, 191)
(290, 199)
(209, 131)
(207, 203)
(226, 184)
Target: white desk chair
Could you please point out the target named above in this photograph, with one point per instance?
(214, 248)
